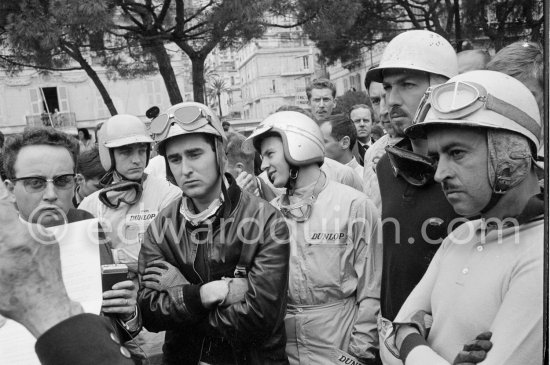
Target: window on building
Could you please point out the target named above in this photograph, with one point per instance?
(352, 82)
(305, 61)
(307, 80)
(346, 85)
(273, 90)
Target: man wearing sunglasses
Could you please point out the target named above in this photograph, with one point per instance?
(214, 264)
(483, 131)
(414, 210)
(129, 199)
(335, 252)
(34, 295)
(40, 166)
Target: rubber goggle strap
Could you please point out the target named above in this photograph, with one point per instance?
(189, 118)
(480, 98)
(517, 115)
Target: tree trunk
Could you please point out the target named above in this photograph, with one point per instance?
(102, 91)
(197, 62)
(458, 30)
(166, 71)
(220, 104)
(100, 87)
(74, 52)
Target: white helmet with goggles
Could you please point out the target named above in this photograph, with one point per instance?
(120, 130)
(301, 136)
(302, 141)
(189, 118)
(491, 100)
(419, 50)
(480, 99)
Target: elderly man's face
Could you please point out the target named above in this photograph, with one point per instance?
(47, 206)
(322, 102)
(462, 167)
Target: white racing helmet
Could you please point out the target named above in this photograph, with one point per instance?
(301, 136)
(491, 100)
(189, 118)
(419, 50)
(120, 130)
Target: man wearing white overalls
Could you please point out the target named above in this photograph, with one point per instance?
(334, 283)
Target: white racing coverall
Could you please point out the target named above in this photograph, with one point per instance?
(334, 281)
(126, 225)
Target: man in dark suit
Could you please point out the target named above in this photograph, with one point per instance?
(362, 117)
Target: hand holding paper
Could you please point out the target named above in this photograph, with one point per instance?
(31, 285)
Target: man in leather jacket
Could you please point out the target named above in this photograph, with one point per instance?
(214, 264)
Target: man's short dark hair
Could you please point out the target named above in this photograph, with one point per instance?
(34, 137)
(342, 126)
(320, 84)
(89, 165)
(377, 130)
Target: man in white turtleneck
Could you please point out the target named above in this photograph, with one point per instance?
(335, 252)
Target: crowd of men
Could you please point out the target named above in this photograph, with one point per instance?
(307, 242)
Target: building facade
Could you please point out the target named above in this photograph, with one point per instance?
(69, 100)
(275, 70)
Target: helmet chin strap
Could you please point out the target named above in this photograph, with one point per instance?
(291, 183)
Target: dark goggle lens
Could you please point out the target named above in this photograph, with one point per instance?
(120, 187)
(416, 169)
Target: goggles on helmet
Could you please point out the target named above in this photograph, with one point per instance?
(456, 100)
(188, 117)
(111, 195)
(416, 169)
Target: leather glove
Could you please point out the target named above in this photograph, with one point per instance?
(159, 275)
(475, 351)
(237, 290)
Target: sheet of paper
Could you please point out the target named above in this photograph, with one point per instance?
(79, 250)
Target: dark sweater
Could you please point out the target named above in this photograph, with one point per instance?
(406, 261)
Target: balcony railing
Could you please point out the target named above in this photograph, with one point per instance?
(61, 120)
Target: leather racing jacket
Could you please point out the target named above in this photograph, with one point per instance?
(248, 236)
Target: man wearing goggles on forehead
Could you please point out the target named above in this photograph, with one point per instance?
(214, 264)
(483, 131)
(411, 62)
(334, 256)
(129, 199)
